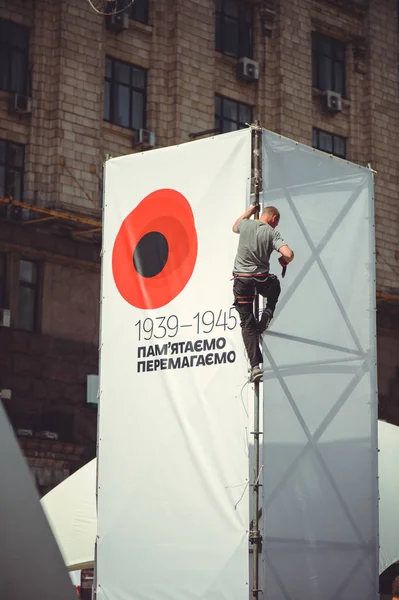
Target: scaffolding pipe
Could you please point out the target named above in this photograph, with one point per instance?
(254, 535)
(51, 213)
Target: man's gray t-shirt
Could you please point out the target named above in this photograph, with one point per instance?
(257, 242)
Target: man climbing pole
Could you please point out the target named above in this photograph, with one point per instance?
(258, 239)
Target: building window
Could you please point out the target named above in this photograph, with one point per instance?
(125, 94)
(3, 281)
(59, 422)
(231, 115)
(11, 169)
(328, 142)
(234, 28)
(14, 57)
(138, 11)
(328, 61)
(28, 295)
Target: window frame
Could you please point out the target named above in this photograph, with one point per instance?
(220, 118)
(132, 12)
(242, 28)
(8, 166)
(10, 49)
(113, 82)
(36, 287)
(3, 278)
(337, 46)
(316, 132)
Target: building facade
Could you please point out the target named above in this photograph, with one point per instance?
(77, 86)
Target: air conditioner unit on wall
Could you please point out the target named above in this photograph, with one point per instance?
(333, 101)
(117, 21)
(24, 432)
(5, 317)
(22, 104)
(44, 434)
(144, 139)
(247, 69)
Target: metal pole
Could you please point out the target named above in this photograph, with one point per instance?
(103, 206)
(255, 537)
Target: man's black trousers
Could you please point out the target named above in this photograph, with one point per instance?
(244, 289)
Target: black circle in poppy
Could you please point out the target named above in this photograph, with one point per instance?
(151, 254)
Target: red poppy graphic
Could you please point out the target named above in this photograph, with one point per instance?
(155, 250)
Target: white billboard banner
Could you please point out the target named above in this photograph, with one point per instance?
(173, 458)
(320, 517)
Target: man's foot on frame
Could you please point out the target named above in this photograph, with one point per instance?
(265, 320)
(256, 374)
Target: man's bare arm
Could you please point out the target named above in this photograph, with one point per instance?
(248, 213)
(286, 254)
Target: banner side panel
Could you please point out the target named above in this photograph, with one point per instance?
(320, 420)
(173, 466)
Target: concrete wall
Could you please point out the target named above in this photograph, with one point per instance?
(388, 369)
(71, 303)
(48, 374)
(46, 369)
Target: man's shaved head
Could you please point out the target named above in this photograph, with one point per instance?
(271, 216)
(270, 211)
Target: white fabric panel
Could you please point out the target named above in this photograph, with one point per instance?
(388, 443)
(71, 511)
(320, 398)
(173, 464)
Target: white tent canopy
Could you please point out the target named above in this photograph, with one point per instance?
(71, 507)
(71, 511)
